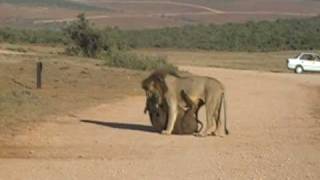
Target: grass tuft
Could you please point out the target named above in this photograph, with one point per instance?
(134, 61)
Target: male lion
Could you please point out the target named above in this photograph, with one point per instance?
(166, 87)
(186, 123)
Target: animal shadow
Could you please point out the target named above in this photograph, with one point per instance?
(124, 126)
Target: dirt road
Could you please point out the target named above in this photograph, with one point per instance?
(273, 121)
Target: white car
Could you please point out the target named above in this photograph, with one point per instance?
(305, 62)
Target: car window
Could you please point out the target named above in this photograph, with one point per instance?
(297, 55)
(307, 57)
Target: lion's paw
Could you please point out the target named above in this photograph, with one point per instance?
(165, 132)
(199, 134)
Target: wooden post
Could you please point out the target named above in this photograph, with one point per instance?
(39, 75)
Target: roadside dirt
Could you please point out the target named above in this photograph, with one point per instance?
(274, 135)
(68, 83)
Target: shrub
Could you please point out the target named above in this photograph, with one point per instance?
(12, 35)
(131, 60)
(290, 34)
(83, 38)
(285, 34)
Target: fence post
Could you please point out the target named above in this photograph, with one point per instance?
(39, 75)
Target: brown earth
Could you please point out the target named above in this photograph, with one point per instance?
(139, 14)
(68, 83)
(273, 119)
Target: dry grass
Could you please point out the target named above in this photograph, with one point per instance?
(271, 61)
(69, 84)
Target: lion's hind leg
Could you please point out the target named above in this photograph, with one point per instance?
(212, 112)
(217, 115)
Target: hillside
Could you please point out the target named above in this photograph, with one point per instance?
(137, 14)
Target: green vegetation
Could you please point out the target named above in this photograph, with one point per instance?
(41, 36)
(279, 35)
(84, 40)
(291, 34)
(131, 60)
(58, 3)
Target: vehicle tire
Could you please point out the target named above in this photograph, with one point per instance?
(299, 70)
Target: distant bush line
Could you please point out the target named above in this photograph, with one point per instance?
(33, 36)
(252, 36)
(129, 60)
(291, 34)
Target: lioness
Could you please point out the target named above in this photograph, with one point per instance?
(166, 87)
(187, 119)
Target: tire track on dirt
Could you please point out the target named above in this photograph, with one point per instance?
(207, 11)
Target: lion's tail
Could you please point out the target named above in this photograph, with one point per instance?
(223, 101)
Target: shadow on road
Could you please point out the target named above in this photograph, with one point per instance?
(126, 126)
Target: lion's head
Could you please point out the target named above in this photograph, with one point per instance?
(154, 85)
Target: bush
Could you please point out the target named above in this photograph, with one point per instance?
(83, 38)
(130, 60)
(290, 34)
(88, 41)
(12, 35)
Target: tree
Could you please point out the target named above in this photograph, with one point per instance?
(83, 39)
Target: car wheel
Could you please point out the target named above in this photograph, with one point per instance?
(299, 70)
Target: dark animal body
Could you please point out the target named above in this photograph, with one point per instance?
(186, 123)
